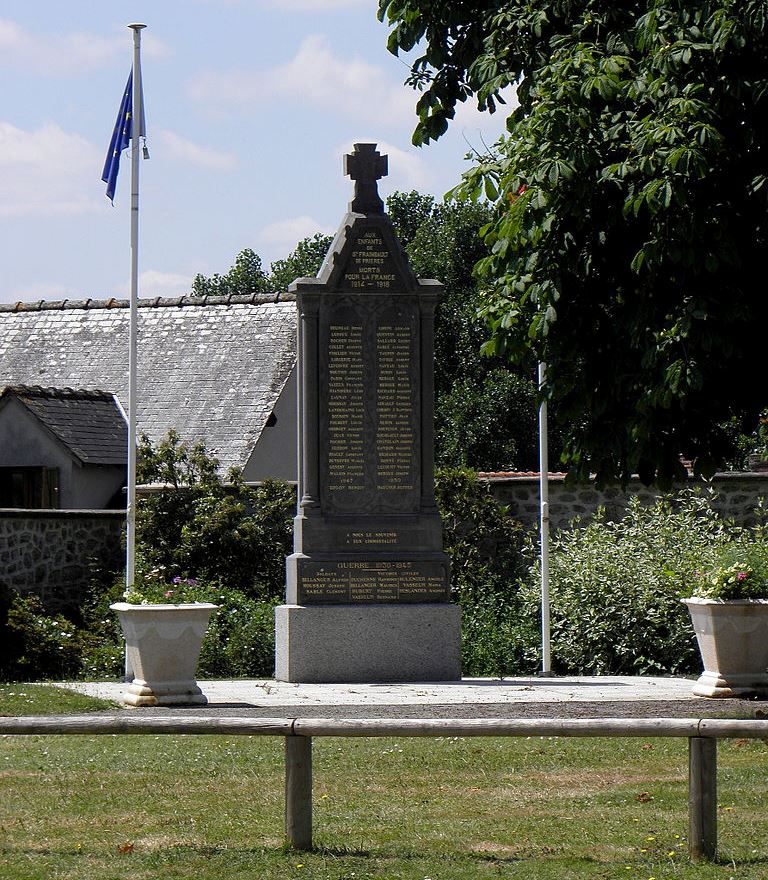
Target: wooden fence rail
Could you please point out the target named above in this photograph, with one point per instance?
(702, 735)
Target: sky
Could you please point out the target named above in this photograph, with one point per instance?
(250, 106)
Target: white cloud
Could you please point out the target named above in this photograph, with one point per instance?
(179, 148)
(468, 116)
(313, 76)
(153, 282)
(47, 171)
(282, 236)
(62, 54)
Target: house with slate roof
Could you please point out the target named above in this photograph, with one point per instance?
(61, 448)
(220, 370)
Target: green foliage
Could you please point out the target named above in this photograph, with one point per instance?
(207, 530)
(485, 546)
(37, 644)
(488, 421)
(740, 570)
(245, 277)
(629, 205)
(408, 213)
(485, 411)
(154, 588)
(240, 642)
(735, 581)
(615, 587)
(303, 262)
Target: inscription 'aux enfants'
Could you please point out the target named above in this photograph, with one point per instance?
(369, 264)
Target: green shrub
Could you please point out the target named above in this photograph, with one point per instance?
(485, 545)
(615, 587)
(240, 642)
(213, 531)
(37, 645)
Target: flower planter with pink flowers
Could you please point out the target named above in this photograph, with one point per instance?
(729, 612)
(162, 649)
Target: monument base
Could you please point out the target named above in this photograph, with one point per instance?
(367, 643)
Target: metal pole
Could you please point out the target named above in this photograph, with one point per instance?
(136, 127)
(546, 660)
(130, 511)
(298, 791)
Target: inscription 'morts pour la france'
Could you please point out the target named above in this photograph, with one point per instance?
(370, 264)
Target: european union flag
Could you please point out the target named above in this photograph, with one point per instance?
(121, 138)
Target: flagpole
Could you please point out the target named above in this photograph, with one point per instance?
(546, 661)
(136, 129)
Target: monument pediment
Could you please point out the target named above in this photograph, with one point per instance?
(366, 257)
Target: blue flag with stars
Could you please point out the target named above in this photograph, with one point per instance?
(121, 138)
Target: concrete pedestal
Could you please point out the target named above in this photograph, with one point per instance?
(368, 643)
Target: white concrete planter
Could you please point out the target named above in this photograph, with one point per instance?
(163, 646)
(733, 641)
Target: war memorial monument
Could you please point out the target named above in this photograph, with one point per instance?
(367, 593)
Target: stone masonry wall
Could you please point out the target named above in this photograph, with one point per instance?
(737, 496)
(52, 553)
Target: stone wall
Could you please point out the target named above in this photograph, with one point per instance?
(53, 553)
(737, 496)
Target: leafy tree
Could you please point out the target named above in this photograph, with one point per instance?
(485, 546)
(408, 212)
(303, 262)
(485, 413)
(248, 276)
(629, 203)
(245, 277)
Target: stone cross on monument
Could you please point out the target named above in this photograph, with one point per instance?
(365, 166)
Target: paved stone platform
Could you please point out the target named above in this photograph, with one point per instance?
(534, 697)
(265, 693)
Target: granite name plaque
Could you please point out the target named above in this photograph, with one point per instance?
(371, 581)
(369, 428)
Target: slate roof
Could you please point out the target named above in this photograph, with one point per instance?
(211, 368)
(89, 423)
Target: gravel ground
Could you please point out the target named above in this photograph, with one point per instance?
(731, 708)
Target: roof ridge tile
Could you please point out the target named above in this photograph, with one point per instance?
(155, 302)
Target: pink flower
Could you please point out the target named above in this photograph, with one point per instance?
(741, 576)
(168, 594)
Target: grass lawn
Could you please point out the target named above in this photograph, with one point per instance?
(115, 807)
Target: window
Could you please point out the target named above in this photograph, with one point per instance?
(29, 487)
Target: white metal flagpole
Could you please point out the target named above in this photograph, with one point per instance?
(546, 661)
(136, 130)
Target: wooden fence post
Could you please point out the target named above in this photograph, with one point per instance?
(702, 797)
(298, 791)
